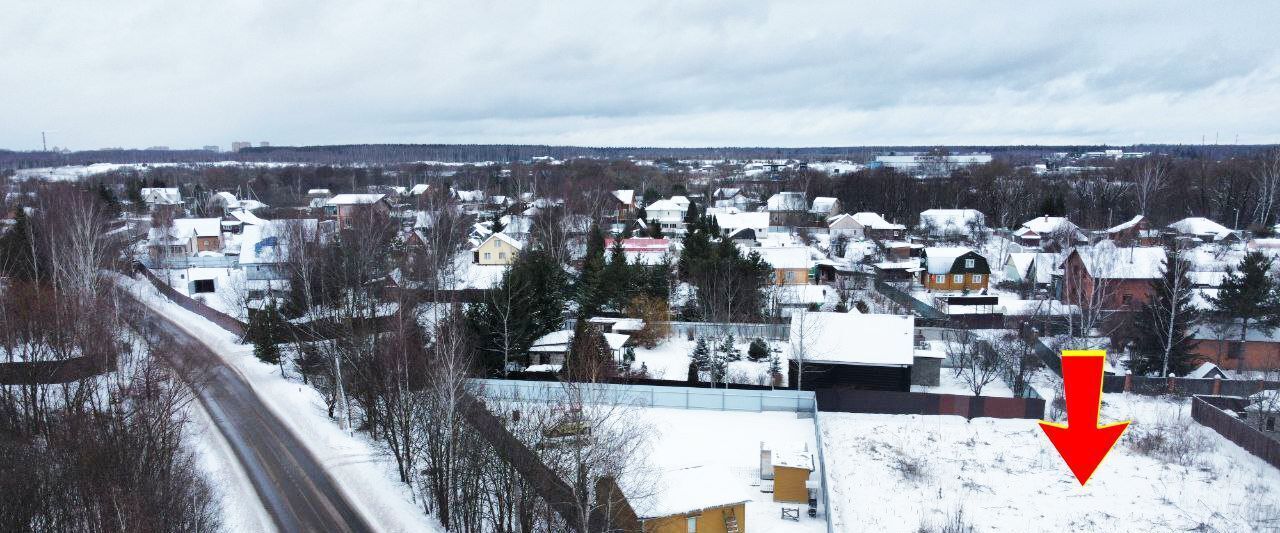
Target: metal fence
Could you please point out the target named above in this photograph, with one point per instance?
(649, 395)
(220, 261)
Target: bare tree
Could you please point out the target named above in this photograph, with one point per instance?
(976, 363)
(1149, 180)
(1267, 179)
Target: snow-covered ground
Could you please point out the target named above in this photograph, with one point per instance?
(77, 172)
(670, 360)
(910, 473)
(950, 383)
(241, 509)
(230, 287)
(366, 475)
(731, 440)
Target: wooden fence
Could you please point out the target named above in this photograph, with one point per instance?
(1158, 386)
(1236, 430)
(51, 372)
(848, 400)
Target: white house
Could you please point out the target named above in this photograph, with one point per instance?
(668, 214)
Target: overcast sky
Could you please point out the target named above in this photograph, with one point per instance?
(683, 73)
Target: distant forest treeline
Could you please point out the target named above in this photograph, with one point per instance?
(380, 154)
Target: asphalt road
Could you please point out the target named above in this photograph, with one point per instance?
(294, 487)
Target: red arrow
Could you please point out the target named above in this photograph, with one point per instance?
(1081, 442)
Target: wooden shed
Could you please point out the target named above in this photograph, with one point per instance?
(789, 468)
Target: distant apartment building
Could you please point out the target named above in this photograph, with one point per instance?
(240, 145)
(929, 165)
(211, 148)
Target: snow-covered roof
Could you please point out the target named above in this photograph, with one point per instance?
(939, 259)
(226, 199)
(726, 192)
(853, 338)
(1200, 226)
(1044, 265)
(247, 217)
(687, 490)
(1047, 224)
(792, 458)
(161, 195)
(355, 199)
(951, 219)
(626, 196)
(558, 341)
(782, 257)
(186, 228)
(1107, 261)
(543, 368)
(468, 196)
(1125, 225)
(912, 265)
(645, 244)
(269, 242)
(787, 201)
(667, 205)
(823, 204)
(734, 221)
(318, 192)
(1209, 332)
(419, 189)
(504, 238)
(802, 294)
(875, 221)
(1207, 370)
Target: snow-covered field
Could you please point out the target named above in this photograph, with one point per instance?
(910, 473)
(77, 172)
(731, 440)
(365, 474)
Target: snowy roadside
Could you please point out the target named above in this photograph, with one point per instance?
(241, 509)
(365, 474)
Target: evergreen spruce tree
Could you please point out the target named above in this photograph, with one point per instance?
(1165, 326)
(728, 350)
(693, 373)
(110, 204)
(775, 370)
(17, 260)
(758, 350)
(616, 283)
(718, 367)
(266, 329)
(701, 356)
(1250, 295)
(591, 295)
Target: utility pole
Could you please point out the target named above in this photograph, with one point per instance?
(44, 143)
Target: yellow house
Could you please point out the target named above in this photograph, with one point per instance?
(497, 249)
(699, 499)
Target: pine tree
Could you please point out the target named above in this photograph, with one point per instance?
(111, 206)
(591, 295)
(728, 350)
(1250, 295)
(758, 350)
(1166, 323)
(701, 356)
(265, 331)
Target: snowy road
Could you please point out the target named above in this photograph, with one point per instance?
(293, 485)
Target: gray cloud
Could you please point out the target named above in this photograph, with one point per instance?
(640, 73)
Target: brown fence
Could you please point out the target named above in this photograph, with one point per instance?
(848, 400)
(186, 302)
(1236, 430)
(50, 372)
(1157, 386)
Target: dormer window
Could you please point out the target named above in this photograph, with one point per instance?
(968, 263)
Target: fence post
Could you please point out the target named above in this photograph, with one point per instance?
(1128, 380)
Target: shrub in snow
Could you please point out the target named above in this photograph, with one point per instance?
(758, 350)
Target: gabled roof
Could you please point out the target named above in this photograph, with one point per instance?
(667, 205)
(355, 199)
(1047, 224)
(940, 259)
(787, 201)
(824, 204)
(1133, 222)
(875, 221)
(626, 196)
(783, 257)
(1107, 261)
(688, 490)
(186, 228)
(1200, 226)
(161, 195)
(504, 238)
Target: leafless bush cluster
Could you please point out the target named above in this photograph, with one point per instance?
(1173, 442)
(954, 523)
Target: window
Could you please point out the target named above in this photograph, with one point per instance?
(968, 263)
(791, 276)
(502, 255)
(691, 525)
(939, 279)
(203, 285)
(487, 255)
(977, 278)
(958, 278)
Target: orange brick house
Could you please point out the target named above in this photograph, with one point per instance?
(954, 268)
(349, 208)
(1259, 350)
(186, 237)
(1112, 278)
